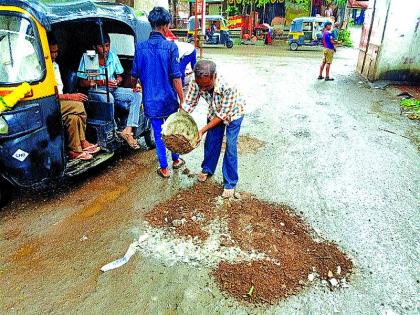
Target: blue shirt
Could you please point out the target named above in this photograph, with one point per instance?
(327, 40)
(156, 65)
(113, 64)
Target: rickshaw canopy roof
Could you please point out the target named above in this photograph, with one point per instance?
(297, 23)
(49, 14)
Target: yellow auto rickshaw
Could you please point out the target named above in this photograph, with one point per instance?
(31, 133)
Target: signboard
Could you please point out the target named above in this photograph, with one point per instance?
(235, 21)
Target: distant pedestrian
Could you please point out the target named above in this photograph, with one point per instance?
(156, 65)
(329, 50)
(328, 12)
(336, 31)
(225, 114)
(187, 55)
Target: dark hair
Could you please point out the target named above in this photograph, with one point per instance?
(159, 16)
(51, 39)
(205, 68)
(327, 23)
(98, 39)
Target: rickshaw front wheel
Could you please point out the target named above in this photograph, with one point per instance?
(294, 46)
(229, 44)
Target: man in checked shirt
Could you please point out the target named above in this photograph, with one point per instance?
(226, 112)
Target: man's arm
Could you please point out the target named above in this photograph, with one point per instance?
(87, 83)
(178, 88)
(79, 97)
(191, 98)
(174, 72)
(332, 41)
(212, 123)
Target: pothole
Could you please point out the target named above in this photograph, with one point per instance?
(247, 144)
(258, 252)
(301, 134)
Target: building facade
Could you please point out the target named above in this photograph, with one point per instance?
(390, 43)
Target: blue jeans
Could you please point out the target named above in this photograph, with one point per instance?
(213, 146)
(183, 63)
(123, 98)
(160, 145)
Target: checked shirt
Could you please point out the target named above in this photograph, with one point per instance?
(225, 102)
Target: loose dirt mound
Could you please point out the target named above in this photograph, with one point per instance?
(293, 257)
(187, 212)
(282, 236)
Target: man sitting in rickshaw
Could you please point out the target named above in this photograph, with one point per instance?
(210, 32)
(73, 114)
(123, 98)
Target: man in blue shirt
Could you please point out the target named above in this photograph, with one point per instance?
(329, 50)
(123, 98)
(156, 65)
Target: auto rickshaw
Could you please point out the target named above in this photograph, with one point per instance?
(219, 38)
(306, 31)
(32, 148)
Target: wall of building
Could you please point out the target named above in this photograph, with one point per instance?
(399, 55)
(390, 42)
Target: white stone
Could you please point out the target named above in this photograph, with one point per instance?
(311, 277)
(333, 282)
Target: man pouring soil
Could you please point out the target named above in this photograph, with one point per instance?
(225, 113)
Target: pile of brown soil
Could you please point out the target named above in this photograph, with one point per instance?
(282, 236)
(178, 144)
(294, 258)
(188, 212)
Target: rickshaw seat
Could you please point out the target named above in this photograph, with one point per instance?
(95, 110)
(70, 83)
(100, 111)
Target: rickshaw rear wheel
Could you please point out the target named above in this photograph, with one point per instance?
(229, 44)
(5, 191)
(294, 46)
(149, 138)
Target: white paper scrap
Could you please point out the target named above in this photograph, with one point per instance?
(130, 252)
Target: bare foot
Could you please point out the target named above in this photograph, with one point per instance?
(202, 177)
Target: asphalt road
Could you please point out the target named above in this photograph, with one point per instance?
(338, 152)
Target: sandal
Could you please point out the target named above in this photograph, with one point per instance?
(329, 79)
(230, 193)
(202, 177)
(179, 165)
(84, 156)
(320, 77)
(92, 149)
(159, 172)
(128, 137)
